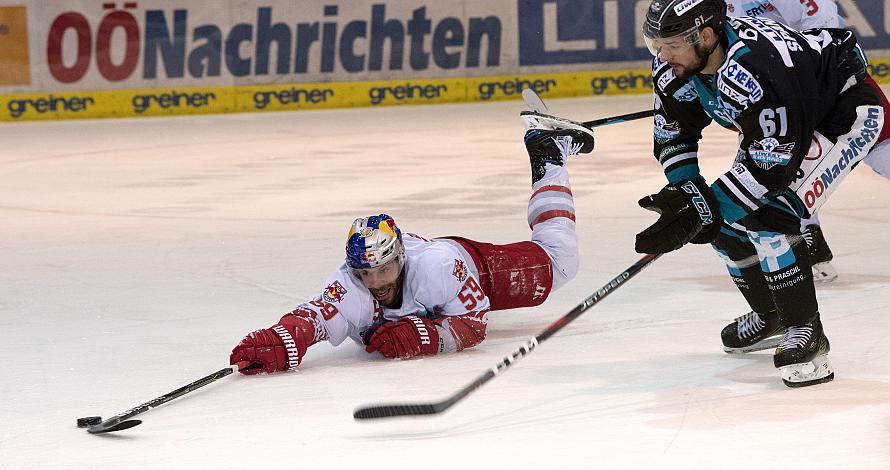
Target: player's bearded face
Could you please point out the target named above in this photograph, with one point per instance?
(685, 52)
(384, 282)
(688, 61)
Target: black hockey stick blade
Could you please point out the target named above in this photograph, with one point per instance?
(424, 409)
(534, 101)
(102, 428)
(122, 421)
(395, 410)
(620, 118)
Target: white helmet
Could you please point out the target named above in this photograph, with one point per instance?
(374, 241)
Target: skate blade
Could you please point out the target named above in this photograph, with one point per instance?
(824, 272)
(808, 373)
(767, 343)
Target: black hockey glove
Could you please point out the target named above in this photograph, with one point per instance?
(688, 211)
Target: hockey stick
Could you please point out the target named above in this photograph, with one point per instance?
(534, 101)
(619, 118)
(122, 421)
(419, 409)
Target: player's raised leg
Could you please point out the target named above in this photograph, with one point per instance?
(551, 210)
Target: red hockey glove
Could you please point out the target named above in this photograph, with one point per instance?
(405, 338)
(279, 348)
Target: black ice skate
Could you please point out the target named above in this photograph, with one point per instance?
(752, 332)
(802, 355)
(820, 254)
(550, 139)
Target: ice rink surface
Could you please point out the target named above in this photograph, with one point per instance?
(136, 253)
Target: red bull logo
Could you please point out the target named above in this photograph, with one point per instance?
(460, 270)
(334, 292)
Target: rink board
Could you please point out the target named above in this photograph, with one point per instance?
(87, 59)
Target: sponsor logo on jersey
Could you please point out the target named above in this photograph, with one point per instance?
(675, 150)
(665, 79)
(743, 176)
(870, 130)
(739, 75)
(665, 131)
(334, 292)
(683, 7)
(768, 153)
(779, 36)
(831, 171)
(722, 111)
(686, 93)
(460, 270)
(731, 93)
(756, 8)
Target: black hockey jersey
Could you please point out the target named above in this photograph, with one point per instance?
(775, 86)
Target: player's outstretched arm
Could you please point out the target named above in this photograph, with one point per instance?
(413, 336)
(278, 348)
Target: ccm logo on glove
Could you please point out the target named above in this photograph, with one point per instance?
(704, 211)
(677, 223)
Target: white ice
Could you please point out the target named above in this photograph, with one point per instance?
(134, 254)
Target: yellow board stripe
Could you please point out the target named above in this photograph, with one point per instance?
(298, 96)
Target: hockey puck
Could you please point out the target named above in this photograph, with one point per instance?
(88, 421)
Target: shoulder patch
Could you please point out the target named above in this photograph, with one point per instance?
(460, 270)
(665, 131)
(334, 292)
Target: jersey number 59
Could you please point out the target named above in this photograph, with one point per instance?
(470, 294)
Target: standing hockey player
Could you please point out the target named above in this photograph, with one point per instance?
(403, 295)
(797, 14)
(806, 115)
(801, 15)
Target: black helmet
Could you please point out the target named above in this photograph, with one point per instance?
(669, 18)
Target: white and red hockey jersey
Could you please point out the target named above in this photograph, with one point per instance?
(796, 14)
(437, 284)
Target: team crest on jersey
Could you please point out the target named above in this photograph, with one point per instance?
(768, 153)
(665, 131)
(334, 292)
(460, 270)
